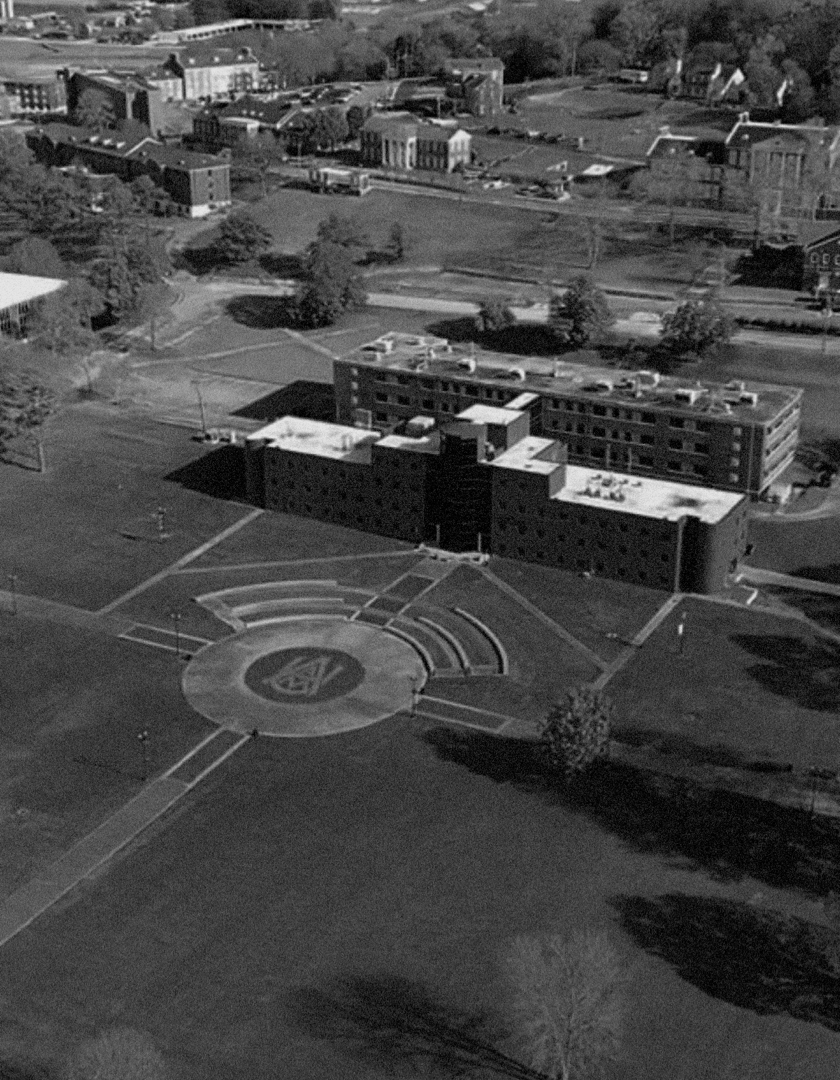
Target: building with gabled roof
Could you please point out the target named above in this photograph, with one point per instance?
(400, 141)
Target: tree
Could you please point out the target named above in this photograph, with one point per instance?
(257, 155)
(119, 1054)
(61, 322)
(94, 109)
(146, 193)
(342, 231)
(576, 731)
(241, 238)
(25, 406)
(331, 285)
(37, 256)
(355, 121)
(581, 313)
(565, 998)
(695, 327)
(494, 315)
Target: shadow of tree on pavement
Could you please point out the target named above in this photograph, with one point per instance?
(749, 957)
(809, 675)
(724, 833)
(389, 1021)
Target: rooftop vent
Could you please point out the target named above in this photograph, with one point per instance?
(517, 373)
(648, 378)
(468, 364)
(749, 397)
(688, 395)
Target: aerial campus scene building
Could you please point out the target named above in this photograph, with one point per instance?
(420, 563)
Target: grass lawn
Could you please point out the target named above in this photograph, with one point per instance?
(73, 702)
(809, 549)
(749, 687)
(542, 665)
(588, 608)
(335, 907)
(85, 531)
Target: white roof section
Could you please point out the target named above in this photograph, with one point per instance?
(317, 438)
(489, 414)
(524, 456)
(522, 401)
(661, 499)
(424, 444)
(23, 288)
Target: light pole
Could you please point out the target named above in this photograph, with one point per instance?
(681, 634)
(415, 693)
(160, 518)
(176, 617)
(201, 409)
(143, 738)
(12, 579)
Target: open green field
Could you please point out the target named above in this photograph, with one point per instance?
(85, 531)
(749, 687)
(73, 701)
(809, 549)
(336, 907)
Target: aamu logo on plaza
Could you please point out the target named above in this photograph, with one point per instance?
(304, 676)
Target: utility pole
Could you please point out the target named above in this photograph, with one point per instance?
(681, 634)
(12, 579)
(176, 617)
(202, 413)
(143, 738)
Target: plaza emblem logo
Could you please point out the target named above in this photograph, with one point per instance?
(304, 676)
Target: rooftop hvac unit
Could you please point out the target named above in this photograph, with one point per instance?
(748, 397)
(736, 385)
(688, 395)
(517, 373)
(468, 364)
(648, 378)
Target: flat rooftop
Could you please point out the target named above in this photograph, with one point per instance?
(489, 414)
(524, 456)
(433, 356)
(661, 499)
(317, 438)
(23, 288)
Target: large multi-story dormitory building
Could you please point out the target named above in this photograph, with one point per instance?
(738, 436)
(620, 474)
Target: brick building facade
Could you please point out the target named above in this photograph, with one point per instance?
(738, 436)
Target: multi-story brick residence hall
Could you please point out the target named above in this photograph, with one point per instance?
(399, 141)
(196, 183)
(481, 481)
(737, 437)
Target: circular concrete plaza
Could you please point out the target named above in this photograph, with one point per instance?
(303, 677)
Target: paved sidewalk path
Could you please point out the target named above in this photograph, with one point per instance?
(560, 631)
(55, 881)
(636, 642)
(758, 576)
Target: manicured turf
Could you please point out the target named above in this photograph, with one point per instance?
(85, 531)
(73, 702)
(589, 608)
(542, 666)
(336, 907)
(750, 686)
(809, 549)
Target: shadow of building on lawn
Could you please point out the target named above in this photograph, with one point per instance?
(749, 957)
(220, 473)
(808, 675)
(305, 398)
(390, 1022)
(726, 834)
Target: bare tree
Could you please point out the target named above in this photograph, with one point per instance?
(118, 1054)
(566, 1003)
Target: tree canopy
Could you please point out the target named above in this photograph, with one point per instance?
(331, 285)
(241, 238)
(695, 327)
(581, 313)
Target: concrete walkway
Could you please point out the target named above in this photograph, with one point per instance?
(758, 576)
(31, 900)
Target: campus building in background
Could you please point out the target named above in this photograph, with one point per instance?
(481, 481)
(738, 436)
(19, 293)
(400, 141)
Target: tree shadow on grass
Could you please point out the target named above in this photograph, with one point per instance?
(746, 956)
(821, 609)
(279, 264)
(392, 1022)
(262, 312)
(726, 834)
(807, 674)
(678, 745)
(829, 573)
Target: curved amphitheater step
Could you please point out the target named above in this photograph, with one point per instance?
(246, 604)
(483, 652)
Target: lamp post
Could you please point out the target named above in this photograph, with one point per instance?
(12, 579)
(143, 738)
(202, 413)
(160, 518)
(415, 693)
(681, 634)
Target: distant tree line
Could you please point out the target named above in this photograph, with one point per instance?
(771, 40)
